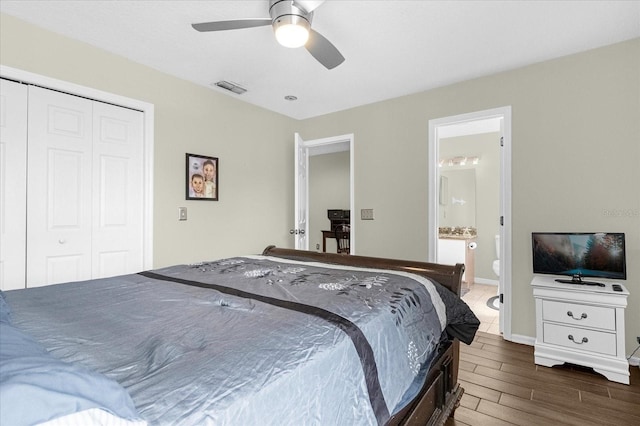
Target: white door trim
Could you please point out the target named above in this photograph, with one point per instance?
(325, 146)
(505, 199)
(13, 184)
(146, 108)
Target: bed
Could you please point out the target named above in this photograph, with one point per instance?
(285, 337)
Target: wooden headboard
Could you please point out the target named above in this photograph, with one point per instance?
(449, 276)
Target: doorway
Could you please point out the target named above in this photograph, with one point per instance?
(495, 120)
(304, 150)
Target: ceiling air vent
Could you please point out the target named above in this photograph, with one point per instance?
(232, 87)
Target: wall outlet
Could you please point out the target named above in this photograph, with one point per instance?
(182, 213)
(366, 214)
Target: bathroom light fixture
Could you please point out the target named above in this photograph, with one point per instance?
(292, 30)
(458, 161)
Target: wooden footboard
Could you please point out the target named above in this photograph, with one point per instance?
(439, 396)
(441, 393)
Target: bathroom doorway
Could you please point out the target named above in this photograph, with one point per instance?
(470, 205)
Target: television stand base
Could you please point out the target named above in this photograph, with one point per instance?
(578, 282)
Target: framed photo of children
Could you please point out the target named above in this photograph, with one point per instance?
(202, 177)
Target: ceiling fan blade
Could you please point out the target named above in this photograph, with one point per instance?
(309, 5)
(322, 49)
(236, 24)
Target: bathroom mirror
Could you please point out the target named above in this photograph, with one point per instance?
(458, 209)
(444, 190)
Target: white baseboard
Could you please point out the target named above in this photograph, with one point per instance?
(524, 340)
(634, 361)
(485, 281)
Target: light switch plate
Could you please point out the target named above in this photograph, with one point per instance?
(182, 213)
(366, 214)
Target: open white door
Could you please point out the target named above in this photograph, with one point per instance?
(301, 208)
(505, 222)
(502, 234)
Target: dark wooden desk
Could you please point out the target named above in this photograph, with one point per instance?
(325, 235)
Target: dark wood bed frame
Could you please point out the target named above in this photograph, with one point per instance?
(441, 392)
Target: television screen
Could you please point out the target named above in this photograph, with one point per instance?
(600, 255)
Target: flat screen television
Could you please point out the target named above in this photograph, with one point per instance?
(578, 255)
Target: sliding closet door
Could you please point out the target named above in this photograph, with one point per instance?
(58, 188)
(72, 187)
(85, 189)
(117, 190)
(13, 183)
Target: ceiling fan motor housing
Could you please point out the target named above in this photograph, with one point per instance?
(286, 9)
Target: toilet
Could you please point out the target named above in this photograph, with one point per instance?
(496, 263)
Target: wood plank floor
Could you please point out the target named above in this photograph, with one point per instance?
(503, 386)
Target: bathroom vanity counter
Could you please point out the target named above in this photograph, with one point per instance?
(454, 249)
(455, 237)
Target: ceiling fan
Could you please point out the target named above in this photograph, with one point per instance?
(291, 22)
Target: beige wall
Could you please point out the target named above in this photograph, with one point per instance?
(575, 159)
(255, 147)
(576, 151)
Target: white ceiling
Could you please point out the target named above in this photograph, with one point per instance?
(392, 48)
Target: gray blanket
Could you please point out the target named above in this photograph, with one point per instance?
(247, 340)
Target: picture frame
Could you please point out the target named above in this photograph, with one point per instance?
(202, 177)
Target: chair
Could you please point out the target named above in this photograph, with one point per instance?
(343, 238)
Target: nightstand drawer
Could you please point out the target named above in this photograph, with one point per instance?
(581, 315)
(580, 339)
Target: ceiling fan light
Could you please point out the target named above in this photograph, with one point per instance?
(291, 31)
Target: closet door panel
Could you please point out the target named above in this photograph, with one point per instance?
(60, 268)
(64, 183)
(118, 193)
(59, 189)
(13, 183)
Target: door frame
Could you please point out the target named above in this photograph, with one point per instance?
(505, 199)
(146, 108)
(318, 147)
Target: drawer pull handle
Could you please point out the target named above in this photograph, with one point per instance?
(584, 340)
(583, 316)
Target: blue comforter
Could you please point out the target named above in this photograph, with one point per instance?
(36, 387)
(247, 340)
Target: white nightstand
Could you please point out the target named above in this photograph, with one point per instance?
(581, 325)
